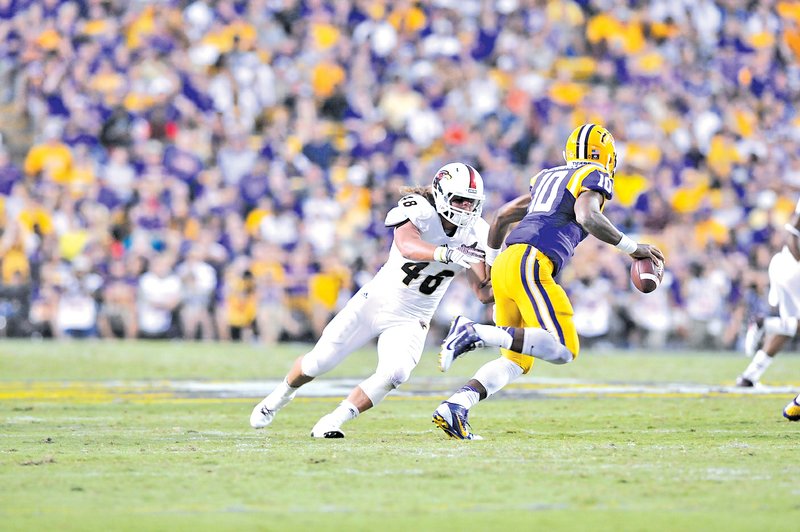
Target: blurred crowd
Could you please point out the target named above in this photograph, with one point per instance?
(222, 170)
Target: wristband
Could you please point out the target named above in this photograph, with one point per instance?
(626, 244)
(440, 254)
(491, 255)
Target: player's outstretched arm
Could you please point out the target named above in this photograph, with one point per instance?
(508, 214)
(409, 241)
(589, 216)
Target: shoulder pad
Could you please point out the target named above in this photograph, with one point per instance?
(596, 179)
(413, 208)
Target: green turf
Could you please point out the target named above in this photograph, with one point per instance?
(583, 463)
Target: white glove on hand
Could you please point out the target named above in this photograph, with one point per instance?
(465, 256)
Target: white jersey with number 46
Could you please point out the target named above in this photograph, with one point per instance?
(412, 288)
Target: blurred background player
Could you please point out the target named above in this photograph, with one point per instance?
(532, 311)
(438, 232)
(766, 336)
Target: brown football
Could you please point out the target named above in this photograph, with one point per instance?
(646, 274)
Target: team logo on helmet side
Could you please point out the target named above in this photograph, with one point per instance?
(437, 180)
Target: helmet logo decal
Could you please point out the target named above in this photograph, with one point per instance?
(443, 174)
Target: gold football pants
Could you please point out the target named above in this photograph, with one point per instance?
(526, 295)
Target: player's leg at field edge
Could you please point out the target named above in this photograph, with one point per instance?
(372, 390)
(763, 357)
(330, 425)
(495, 375)
(264, 412)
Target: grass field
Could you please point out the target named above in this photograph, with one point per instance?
(155, 436)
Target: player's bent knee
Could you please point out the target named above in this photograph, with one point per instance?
(376, 387)
(562, 355)
(318, 362)
(574, 347)
(398, 376)
(309, 366)
(556, 353)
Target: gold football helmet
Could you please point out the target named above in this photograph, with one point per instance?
(592, 143)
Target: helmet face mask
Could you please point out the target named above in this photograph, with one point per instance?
(592, 143)
(455, 185)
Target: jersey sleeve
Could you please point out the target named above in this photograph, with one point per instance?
(592, 179)
(413, 208)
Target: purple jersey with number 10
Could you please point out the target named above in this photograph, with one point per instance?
(550, 224)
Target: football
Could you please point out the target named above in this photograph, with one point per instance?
(646, 274)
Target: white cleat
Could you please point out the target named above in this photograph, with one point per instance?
(261, 416)
(744, 382)
(326, 428)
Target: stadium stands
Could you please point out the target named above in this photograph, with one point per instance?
(247, 152)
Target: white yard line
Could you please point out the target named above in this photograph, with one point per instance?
(427, 386)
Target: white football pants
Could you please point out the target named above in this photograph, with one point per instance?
(401, 339)
(784, 284)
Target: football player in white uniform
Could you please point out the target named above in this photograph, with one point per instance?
(766, 336)
(438, 232)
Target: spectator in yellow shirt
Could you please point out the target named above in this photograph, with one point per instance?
(241, 306)
(50, 159)
(324, 289)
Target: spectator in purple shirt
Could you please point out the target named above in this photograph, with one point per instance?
(10, 173)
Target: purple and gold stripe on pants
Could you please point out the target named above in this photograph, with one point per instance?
(526, 295)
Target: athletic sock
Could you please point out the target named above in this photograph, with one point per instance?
(343, 413)
(466, 396)
(496, 374)
(757, 366)
(496, 336)
(280, 396)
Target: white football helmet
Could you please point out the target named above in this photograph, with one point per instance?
(458, 181)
